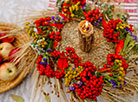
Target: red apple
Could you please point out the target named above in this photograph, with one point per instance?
(5, 49)
(8, 39)
(0, 59)
(12, 54)
(7, 71)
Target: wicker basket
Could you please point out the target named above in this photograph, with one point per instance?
(27, 56)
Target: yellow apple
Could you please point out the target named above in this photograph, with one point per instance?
(5, 49)
(7, 71)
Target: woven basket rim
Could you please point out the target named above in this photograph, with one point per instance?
(21, 75)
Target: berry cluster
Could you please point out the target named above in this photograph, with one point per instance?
(111, 58)
(55, 54)
(88, 64)
(59, 74)
(72, 56)
(40, 23)
(110, 31)
(55, 36)
(44, 69)
(65, 8)
(82, 2)
(94, 16)
(92, 86)
(47, 69)
(116, 70)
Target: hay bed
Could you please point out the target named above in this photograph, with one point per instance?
(100, 47)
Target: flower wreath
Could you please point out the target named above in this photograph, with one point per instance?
(83, 78)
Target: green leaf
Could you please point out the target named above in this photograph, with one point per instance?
(17, 98)
(136, 48)
(127, 40)
(47, 98)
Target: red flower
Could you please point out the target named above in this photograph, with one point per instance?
(62, 62)
(55, 44)
(119, 46)
(82, 2)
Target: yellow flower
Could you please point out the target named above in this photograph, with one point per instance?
(80, 67)
(77, 69)
(76, 7)
(72, 15)
(35, 40)
(66, 84)
(70, 69)
(122, 82)
(121, 27)
(73, 7)
(78, 3)
(120, 64)
(28, 27)
(123, 74)
(70, 9)
(117, 28)
(66, 75)
(120, 78)
(128, 26)
(68, 91)
(39, 44)
(117, 61)
(27, 23)
(75, 72)
(121, 68)
(69, 72)
(120, 72)
(45, 43)
(65, 10)
(65, 14)
(43, 46)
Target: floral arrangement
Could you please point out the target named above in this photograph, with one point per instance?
(84, 79)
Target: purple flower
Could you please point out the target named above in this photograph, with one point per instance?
(63, 18)
(100, 19)
(134, 36)
(120, 86)
(56, 18)
(124, 82)
(80, 83)
(73, 68)
(126, 28)
(71, 88)
(43, 63)
(96, 24)
(129, 31)
(60, 22)
(52, 17)
(55, 22)
(44, 59)
(49, 50)
(114, 83)
(114, 86)
(84, 6)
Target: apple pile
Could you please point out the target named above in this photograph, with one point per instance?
(7, 67)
